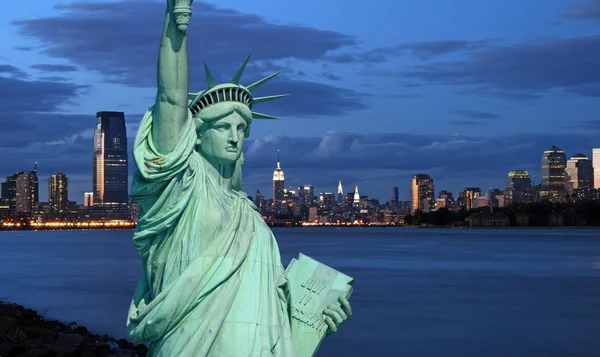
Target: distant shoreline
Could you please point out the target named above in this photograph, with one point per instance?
(320, 227)
(2, 229)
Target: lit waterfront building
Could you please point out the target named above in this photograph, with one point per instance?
(27, 190)
(518, 187)
(88, 199)
(278, 183)
(58, 192)
(444, 200)
(470, 194)
(554, 162)
(421, 193)
(9, 191)
(110, 176)
(596, 165)
(580, 173)
(306, 195)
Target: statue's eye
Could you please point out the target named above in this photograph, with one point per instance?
(241, 127)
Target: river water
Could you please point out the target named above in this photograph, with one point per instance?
(417, 292)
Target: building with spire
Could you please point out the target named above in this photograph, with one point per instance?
(356, 200)
(278, 183)
(340, 192)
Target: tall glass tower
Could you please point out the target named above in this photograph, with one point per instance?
(554, 163)
(110, 164)
(421, 193)
(518, 187)
(58, 192)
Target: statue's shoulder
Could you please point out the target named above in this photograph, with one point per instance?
(244, 197)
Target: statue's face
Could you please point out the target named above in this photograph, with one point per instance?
(222, 139)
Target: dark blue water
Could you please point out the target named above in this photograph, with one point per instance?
(418, 292)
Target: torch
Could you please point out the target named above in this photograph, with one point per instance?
(182, 12)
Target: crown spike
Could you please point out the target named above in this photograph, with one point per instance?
(257, 84)
(259, 100)
(256, 115)
(209, 77)
(238, 75)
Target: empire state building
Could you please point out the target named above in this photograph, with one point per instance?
(278, 182)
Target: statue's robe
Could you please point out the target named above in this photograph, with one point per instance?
(213, 282)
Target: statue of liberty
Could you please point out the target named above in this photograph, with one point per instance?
(213, 281)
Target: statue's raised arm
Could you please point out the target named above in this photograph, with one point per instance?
(171, 108)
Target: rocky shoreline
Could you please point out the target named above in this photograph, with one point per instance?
(23, 332)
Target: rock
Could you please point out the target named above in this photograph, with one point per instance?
(24, 333)
(64, 350)
(40, 352)
(34, 332)
(12, 350)
(123, 343)
(71, 339)
(8, 323)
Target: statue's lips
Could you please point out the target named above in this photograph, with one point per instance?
(231, 150)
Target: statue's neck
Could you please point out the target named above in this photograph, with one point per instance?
(220, 174)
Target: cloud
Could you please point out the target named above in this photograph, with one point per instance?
(14, 72)
(430, 49)
(584, 10)
(330, 76)
(125, 51)
(475, 114)
(54, 67)
(423, 50)
(375, 162)
(27, 96)
(467, 122)
(523, 70)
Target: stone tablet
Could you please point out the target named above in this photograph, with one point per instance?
(313, 286)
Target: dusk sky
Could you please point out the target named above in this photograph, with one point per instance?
(463, 90)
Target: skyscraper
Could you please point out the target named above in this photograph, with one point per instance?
(58, 192)
(110, 177)
(9, 191)
(580, 173)
(88, 199)
(278, 183)
(395, 196)
(471, 193)
(554, 162)
(27, 190)
(596, 165)
(356, 199)
(340, 192)
(518, 187)
(421, 193)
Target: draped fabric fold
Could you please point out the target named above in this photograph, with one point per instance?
(213, 282)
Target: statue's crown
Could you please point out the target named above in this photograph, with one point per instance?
(230, 92)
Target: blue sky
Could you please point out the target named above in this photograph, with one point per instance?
(462, 90)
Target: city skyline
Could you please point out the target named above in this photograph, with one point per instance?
(278, 185)
(368, 108)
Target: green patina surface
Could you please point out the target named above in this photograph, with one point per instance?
(213, 282)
